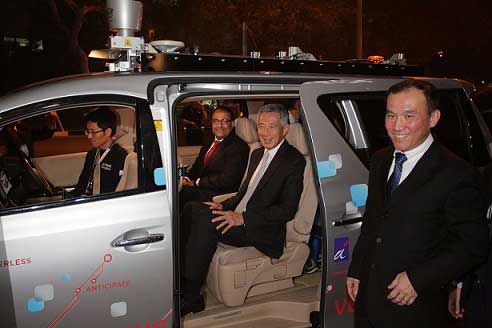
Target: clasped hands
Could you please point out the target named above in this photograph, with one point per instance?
(229, 218)
(402, 291)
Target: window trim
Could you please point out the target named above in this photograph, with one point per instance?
(64, 103)
(454, 94)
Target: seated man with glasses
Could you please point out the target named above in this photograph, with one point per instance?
(104, 163)
(220, 165)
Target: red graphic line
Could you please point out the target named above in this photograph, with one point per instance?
(339, 273)
(167, 314)
(72, 303)
(92, 277)
(100, 273)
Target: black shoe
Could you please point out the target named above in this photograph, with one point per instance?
(311, 266)
(197, 305)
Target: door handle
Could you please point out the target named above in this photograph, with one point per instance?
(346, 221)
(153, 238)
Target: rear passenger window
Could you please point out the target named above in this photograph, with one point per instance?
(479, 152)
(450, 128)
(193, 123)
(333, 110)
(457, 128)
(372, 111)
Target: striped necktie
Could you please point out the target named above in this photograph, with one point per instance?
(395, 177)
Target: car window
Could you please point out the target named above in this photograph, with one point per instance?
(450, 128)
(193, 123)
(371, 119)
(371, 110)
(479, 152)
(41, 160)
(333, 110)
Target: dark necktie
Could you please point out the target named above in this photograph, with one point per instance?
(394, 179)
(211, 151)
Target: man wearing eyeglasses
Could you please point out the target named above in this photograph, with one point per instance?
(104, 163)
(220, 165)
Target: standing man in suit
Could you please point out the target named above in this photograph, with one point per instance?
(256, 216)
(424, 222)
(220, 165)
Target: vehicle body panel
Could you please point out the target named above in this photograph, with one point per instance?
(57, 250)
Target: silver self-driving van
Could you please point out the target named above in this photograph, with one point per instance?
(112, 259)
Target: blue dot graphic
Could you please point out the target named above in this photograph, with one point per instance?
(326, 169)
(359, 194)
(35, 304)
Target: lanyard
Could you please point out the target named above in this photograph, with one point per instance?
(90, 183)
(103, 155)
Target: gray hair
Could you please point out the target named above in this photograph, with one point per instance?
(275, 108)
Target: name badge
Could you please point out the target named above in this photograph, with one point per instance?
(106, 166)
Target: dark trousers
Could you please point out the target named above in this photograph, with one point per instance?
(361, 318)
(186, 195)
(189, 194)
(362, 322)
(201, 245)
(476, 314)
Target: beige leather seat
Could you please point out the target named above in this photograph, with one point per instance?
(125, 133)
(129, 179)
(246, 130)
(238, 272)
(125, 137)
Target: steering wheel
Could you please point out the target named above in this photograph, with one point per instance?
(36, 175)
(37, 182)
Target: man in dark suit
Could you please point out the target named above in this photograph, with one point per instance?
(256, 216)
(220, 165)
(424, 222)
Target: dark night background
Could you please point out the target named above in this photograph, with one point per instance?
(69, 29)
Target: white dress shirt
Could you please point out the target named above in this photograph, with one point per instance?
(413, 156)
(272, 152)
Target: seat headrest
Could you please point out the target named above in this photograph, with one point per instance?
(245, 130)
(296, 137)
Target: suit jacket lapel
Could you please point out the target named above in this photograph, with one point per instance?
(255, 160)
(422, 172)
(382, 175)
(219, 150)
(274, 164)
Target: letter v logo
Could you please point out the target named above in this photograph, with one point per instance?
(346, 306)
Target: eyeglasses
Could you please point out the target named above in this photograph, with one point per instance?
(221, 122)
(92, 133)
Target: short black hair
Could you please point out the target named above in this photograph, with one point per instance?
(430, 91)
(104, 117)
(236, 112)
(224, 109)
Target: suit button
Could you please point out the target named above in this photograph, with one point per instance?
(379, 240)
